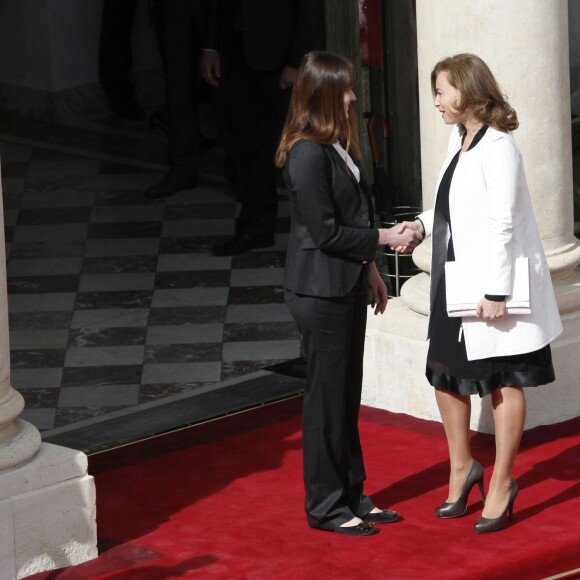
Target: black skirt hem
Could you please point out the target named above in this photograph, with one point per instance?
(446, 382)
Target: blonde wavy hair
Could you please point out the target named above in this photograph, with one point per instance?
(480, 92)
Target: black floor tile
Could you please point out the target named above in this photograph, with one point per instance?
(119, 264)
(201, 211)
(111, 168)
(112, 299)
(182, 353)
(256, 295)
(130, 336)
(42, 284)
(57, 249)
(123, 197)
(102, 376)
(124, 230)
(55, 183)
(260, 259)
(49, 358)
(14, 169)
(56, 215)
(55, 320)
(9, 233)
(37, 398)
(204, 278)
(189, 245)
(11, 194)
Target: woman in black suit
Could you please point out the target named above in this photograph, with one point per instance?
(329, 269)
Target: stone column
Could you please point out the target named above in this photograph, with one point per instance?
(525, 43)
(47, 499)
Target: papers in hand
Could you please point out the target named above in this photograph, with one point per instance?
(464, 285)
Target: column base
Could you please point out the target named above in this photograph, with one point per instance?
(394, 372)
(47, 513)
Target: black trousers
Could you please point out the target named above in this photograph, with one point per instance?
(333, 331)
(257, 110)
(178, 35)
(115, 53)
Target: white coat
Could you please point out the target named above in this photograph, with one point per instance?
(493, 223)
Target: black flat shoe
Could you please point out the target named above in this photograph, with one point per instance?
(458, 508)
(487, 525)
(383, 517)
(362, 529)
(171, 184)
(242, 243)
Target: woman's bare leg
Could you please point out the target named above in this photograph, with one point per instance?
(509, 414)
(455, 412)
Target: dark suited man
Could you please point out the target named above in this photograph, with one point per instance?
(178, 24)
(330, 269)
(252, 51)
(116, 57)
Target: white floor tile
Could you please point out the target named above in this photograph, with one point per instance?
(129, 213)
(45, 267)
(40, 418)
(110, 318)
(99, 396)
(61, 301)
(127, 247)
(185, 334)
(117, 282)
(102, 356)
(258, 277)
(38, 339)
(36, 378)
(51, 233)
(190, 297)
(188, 262)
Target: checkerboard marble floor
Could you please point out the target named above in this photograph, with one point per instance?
(115, 300)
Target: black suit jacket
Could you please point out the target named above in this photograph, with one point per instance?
(276, 33)
(330, 238)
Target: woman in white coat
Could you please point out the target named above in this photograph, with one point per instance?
(483, 213)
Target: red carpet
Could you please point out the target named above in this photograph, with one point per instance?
(225, 500)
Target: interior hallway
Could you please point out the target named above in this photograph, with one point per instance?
(115, 301)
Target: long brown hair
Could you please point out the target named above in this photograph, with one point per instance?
(480, 92)
(317, 110)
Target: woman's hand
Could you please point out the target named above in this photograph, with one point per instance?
(416, 226)
(378, 289)
(490, 310)
(402, 237)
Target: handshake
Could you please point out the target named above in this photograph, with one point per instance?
(403, 237)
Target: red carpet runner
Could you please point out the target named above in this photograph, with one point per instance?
(224, 500)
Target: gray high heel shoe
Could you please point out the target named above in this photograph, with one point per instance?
(458, 508)
(486, 525)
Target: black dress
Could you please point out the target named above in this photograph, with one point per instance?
(447, 364)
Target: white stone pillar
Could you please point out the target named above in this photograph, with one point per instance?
(47, 499)
(525, 43)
